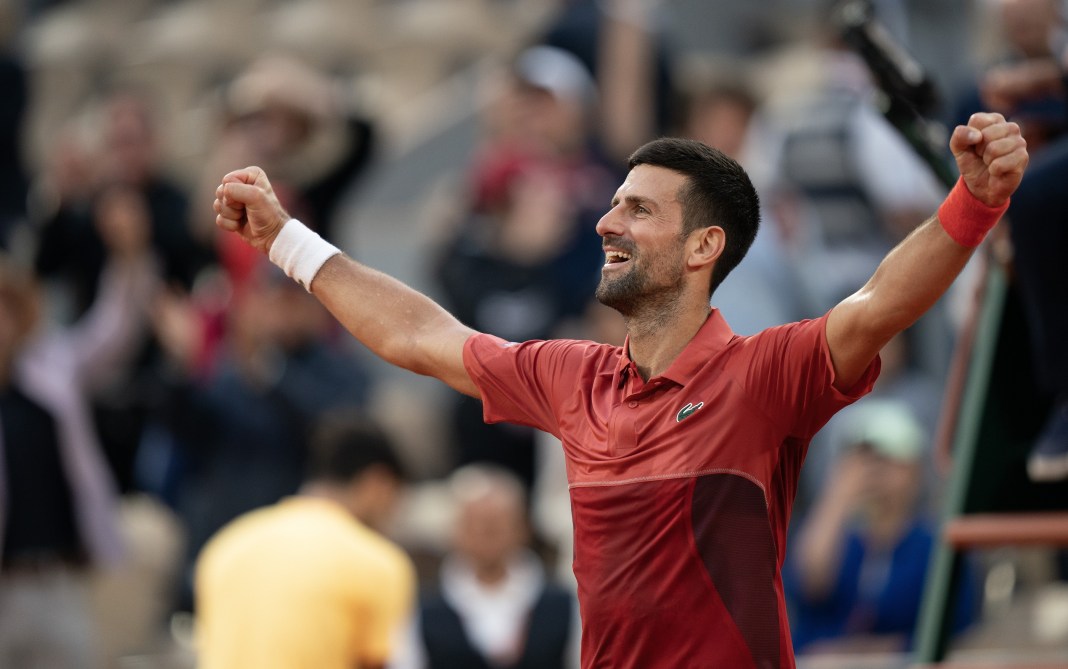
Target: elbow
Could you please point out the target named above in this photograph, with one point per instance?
(401, 353)
(411, 352)
(877, 320)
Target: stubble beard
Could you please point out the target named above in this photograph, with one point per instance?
(622, 293)
(633, 294)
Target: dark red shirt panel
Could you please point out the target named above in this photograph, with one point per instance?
(655, 602)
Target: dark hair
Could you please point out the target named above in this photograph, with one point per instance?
(717, 192)
(342, 447)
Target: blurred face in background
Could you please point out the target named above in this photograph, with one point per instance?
(306, 320)
(898, 484)
(273, 131)
(558, 122)
(71, 166)
(271, 311)
(891, 485)
(544, 123)
(9, 334)
(1026, 25)
(20, 309)
(129, 139)
(252, 323)
(720, 120)
(274, 108)
(491, 528)
(122, 217)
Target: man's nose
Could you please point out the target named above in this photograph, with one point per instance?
(610, 223)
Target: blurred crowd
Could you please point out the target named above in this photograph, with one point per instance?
(159, 380)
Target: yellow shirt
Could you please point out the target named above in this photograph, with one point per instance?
(301, 584)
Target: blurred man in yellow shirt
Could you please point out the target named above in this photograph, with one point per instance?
(309, 581)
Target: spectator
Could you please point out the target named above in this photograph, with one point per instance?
(240, 427)
(81, 188)
(720, 113)
(854, 573)
(1024, 81)
(901, 381)
(59, 517)
(283, 113)
(624, 44)
(310, 581)
(494, 606)
(70, 251)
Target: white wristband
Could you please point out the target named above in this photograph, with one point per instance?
(301, 252)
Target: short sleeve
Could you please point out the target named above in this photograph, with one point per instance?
(390, 612)
(791, 375)
(526, 382)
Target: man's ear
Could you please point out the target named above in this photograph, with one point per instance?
(705, 246)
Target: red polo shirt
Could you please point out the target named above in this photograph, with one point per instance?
(681, 487)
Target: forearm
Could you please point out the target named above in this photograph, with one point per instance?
(394, 321)
(909, 280)
(397, 323)
(907, 283)
(106, 336)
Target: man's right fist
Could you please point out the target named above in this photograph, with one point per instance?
(246, 204)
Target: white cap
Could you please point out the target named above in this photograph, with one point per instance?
(557, 71)
(889, 426)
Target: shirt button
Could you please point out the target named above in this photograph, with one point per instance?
(632, 404)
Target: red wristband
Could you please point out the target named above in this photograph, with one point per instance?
(965, 218)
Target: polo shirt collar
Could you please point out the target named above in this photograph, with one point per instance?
(713, 335)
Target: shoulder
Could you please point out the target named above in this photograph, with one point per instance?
(242, 536)
(368, 552)
(773, 342)
(792, 329)
(484, 340)
(375, 573)
(251, 524)
(483, 348)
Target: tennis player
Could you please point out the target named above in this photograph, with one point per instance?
(683, 446)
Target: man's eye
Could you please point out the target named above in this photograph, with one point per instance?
(641, 210)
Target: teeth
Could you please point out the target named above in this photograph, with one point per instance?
(616, 256)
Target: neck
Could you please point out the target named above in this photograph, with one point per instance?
(658, 335)
(491, 574)
(334, 493)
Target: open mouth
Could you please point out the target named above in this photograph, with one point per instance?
(615, 257)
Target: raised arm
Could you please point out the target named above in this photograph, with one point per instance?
(107, 337)
(991, 156)
(396, 322)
